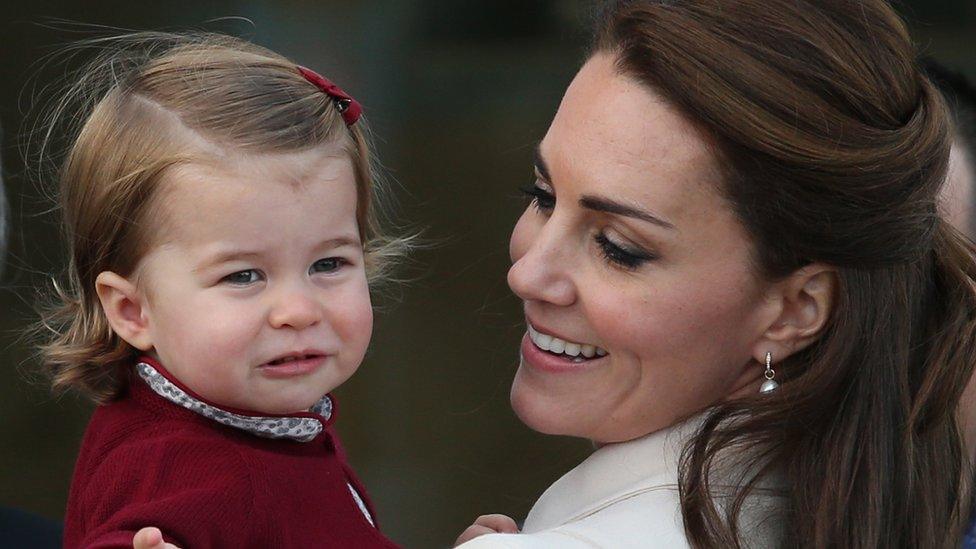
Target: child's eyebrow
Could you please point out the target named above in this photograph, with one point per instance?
(233, 254)
(224, 257)
(341, 241)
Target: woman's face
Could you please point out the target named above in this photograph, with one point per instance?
(631, 260)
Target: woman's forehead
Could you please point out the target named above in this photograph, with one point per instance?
(617, 135)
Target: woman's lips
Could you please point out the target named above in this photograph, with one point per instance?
(292, 367)
(546, 361)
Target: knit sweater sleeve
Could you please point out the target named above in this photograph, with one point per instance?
(198, 492)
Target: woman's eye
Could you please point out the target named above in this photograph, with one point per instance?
(621, 256)
(543, 200)
(243, 278)
(326, 265)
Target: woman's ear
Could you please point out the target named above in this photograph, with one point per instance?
(806, 299)
(124, 307)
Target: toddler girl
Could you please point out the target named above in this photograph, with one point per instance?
(217, 204)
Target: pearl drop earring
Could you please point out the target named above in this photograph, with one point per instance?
(769, 385)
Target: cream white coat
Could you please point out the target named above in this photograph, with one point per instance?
(623, 496)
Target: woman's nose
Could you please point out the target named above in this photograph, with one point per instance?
(541, 263)
(295, 308)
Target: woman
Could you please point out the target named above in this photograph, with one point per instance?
(737, 283)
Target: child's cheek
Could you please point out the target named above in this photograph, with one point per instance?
(222, 329)
(352, 319)
(233, 328)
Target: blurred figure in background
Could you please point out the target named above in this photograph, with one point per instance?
(958, 195)
(18, 528)
(3, 214)
(960, 188)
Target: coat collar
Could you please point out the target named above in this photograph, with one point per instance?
(300, 426)
(612, 473)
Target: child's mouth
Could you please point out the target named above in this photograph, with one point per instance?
(293, 358)
(294, 365)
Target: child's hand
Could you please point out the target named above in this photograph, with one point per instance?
(150, 538)
(488, 524)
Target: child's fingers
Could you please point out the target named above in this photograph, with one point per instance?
(472, 532)
(499, 523)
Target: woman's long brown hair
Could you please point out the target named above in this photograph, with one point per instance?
(835, 147)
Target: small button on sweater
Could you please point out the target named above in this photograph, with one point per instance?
(210, 477)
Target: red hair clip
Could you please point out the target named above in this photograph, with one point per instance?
(349, 108)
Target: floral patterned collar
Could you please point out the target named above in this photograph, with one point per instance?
(301, 426)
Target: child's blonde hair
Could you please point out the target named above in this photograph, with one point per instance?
(152, 96)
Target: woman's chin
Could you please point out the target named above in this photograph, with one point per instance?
(578, 412)
(543, 413)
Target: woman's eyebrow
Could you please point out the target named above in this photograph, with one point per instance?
(540, 165)
(601, 204)
(606, 205)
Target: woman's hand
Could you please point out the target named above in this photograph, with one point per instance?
(150, 538)
(488, 524)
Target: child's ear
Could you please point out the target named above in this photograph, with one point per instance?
(124, 307)
(805, 300)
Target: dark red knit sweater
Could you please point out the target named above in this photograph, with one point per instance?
(145, 461)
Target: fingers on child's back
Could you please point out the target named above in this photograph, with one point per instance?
(498, 523)
(472, 532)
(488, 524)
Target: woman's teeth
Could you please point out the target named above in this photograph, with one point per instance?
(561, 347)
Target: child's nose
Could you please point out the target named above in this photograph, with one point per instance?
(295, 309)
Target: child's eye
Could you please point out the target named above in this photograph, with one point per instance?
(326, 265)
(243, 278)
(543, 200)
(622, 256)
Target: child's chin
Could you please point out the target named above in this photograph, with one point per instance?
(287, 408)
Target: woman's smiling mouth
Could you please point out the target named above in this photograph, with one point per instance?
(553, 354)
(557, 346)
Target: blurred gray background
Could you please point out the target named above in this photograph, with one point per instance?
(458, 93)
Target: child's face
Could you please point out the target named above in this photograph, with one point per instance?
(262, 264)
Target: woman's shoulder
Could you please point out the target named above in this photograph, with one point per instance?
(647, 519)
(624, 495)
